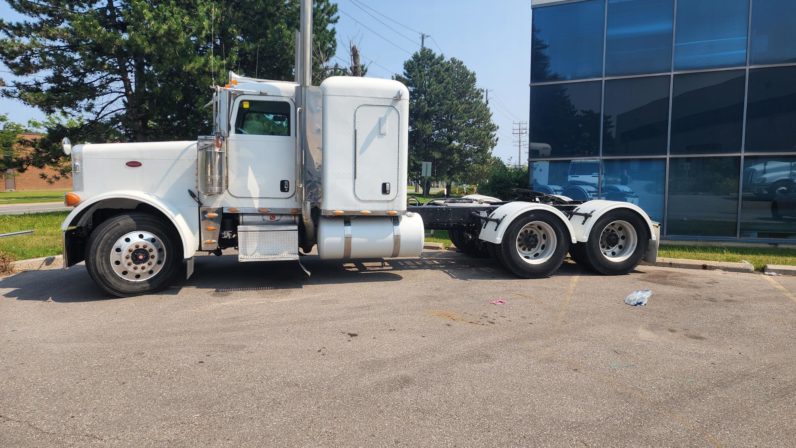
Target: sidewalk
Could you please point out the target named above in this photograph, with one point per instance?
(40, 207)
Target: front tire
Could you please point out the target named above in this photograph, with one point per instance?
(616, 243)
(534, 245)
(133, 254)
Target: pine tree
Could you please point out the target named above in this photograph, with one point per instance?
(450, 124)
(136, 70)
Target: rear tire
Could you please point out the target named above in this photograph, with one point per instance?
(468, 243)
(578, 253)
(616, 243)
(133, 254)
(534, 245)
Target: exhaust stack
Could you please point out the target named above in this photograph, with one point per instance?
(304, 79)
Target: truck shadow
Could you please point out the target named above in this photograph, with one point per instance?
(226, 275)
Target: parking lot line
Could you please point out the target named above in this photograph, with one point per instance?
(782, 289)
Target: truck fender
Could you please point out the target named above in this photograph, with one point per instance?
(502, 217)
(187, 226)
(587, 214)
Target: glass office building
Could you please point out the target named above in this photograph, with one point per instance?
(684, 107)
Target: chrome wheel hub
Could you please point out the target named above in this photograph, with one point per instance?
(618, 241)
(138, 256)
(536, 242)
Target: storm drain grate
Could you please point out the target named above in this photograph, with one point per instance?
(258, 288)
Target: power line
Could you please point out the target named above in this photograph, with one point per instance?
(520, 131)
(387, 17)
(370, 61)
(436, 44)
(376, 33)
(383, 22)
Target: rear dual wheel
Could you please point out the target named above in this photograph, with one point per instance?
(534, 245)
(468, 242)
(615, 245)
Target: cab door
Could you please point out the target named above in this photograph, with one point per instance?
(262, 148)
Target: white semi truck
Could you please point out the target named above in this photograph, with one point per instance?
(291, 168)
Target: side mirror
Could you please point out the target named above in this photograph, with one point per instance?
(67, 145)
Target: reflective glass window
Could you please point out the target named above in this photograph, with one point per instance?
(565, 119)
(577, 179)
(773, 31)
(707, 112)
(640, 182)
(703, 196)
(711, 33)
(769, 198)
(771, 111)
(568, 41)
(636, 116)
(639, 36)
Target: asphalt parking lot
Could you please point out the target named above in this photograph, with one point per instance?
(409, 353)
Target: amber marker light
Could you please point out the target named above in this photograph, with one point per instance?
(212, 215)
(212, 228)
(71, 199)
(392, 213)
(365, 212)
(338, 212)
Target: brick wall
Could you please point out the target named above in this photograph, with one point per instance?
(31, 179)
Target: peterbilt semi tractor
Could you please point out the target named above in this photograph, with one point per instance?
(292, 169)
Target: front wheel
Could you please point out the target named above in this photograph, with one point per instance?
(534, 245)
(616, 243)
(133, 254)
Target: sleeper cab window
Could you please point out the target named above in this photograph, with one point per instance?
(263, 118)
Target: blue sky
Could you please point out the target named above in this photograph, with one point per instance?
(491, 37)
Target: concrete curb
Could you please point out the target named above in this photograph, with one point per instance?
(434, 246)
(683, 263)
(38, 264)
(779, 269)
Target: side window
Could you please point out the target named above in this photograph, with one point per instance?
(263, 118)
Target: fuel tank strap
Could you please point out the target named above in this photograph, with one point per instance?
(347, 237)
(396, 236)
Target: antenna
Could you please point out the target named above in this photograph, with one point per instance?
(213, 43)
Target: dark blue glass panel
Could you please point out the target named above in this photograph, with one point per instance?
(711, 33)
(771, 111)
(707, 112)
(769, 198)
(640, 182)
(636, 116)
(703, 196)
(639, 36)
(773, 31)
(577, 179)
(568, 41)
(566, 118)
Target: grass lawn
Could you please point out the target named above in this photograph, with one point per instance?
(759, 257)
(45, 240)
(28, 197)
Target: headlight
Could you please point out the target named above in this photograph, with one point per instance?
(77, 168)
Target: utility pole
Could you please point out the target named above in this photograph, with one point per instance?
(520, 132)
(423, 37)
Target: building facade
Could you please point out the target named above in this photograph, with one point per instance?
(685, 107)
